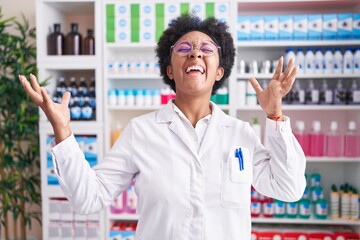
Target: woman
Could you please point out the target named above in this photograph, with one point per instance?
(193, 165)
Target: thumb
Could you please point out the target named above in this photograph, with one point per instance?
(255, 84)
(66, 98)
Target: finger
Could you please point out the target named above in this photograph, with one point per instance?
(34, 83)
(32, 94)
(278, 68)
(255, 84)
(66, 98)
(291, 79)
(45, 96)
(288, 69)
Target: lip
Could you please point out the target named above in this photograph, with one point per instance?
(196, 66)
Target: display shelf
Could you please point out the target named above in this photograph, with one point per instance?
(121, 76)
(69, 62)
(321, 108)
(299, 76)
(140, 108)
(122, 216)
(311, 221)
(305, 43)
(333, 159)
(53, 191)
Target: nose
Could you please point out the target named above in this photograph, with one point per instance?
(195, 53)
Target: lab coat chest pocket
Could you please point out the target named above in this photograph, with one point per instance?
(236, 178)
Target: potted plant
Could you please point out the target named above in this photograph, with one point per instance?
(19, 138)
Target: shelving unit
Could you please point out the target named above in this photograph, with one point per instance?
(93, 14)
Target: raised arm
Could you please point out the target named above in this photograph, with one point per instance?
(58, 114)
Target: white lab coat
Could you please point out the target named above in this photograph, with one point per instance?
(184, 194)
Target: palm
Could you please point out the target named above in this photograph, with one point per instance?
(58, 114)
(280, 84)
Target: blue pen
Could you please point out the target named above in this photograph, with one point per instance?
(241, 160)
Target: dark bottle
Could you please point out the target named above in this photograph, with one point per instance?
(89, 43)
(83, 88)
(73, 41)
(55, 41)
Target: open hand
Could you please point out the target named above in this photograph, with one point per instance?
(280, 84)
(58, 114)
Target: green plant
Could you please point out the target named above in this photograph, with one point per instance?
(19, 138)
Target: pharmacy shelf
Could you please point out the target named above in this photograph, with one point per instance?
(300, 76)
(279, 43)
(141, 108)
(53, 191)
(122, 76)
(122, 216)
(147, 46)
(69, 62)
(333, 159)
(78, 127)
(311, 221)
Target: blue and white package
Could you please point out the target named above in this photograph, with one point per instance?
(356, 26)
(271, 27)
(243, 28)
(257, 28)
(286, 27)
(300, 27)
(330, 26)
(51, 176)
(314, 26)
(345, 26)
(90, 148)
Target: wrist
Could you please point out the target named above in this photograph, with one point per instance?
(61, 134)
(279, 117)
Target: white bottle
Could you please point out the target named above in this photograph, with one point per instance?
(357, 61)
(328, 62)
(309, 61)
(318, 63)
(300, 60)
(348, 63)
(338, 61)
(289, 53)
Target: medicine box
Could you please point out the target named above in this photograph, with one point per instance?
(356, 26)
(330, 26)
(315, 27)
(271, 27)
(257, 28)
(286, 27)
(300, 27)
(345, 26)
(243, 28)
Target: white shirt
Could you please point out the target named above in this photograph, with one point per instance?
(185, 194)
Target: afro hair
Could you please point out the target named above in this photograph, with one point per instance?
(215, 29)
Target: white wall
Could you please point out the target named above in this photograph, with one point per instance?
(15, 8)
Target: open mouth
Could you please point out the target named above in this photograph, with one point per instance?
(194, 69)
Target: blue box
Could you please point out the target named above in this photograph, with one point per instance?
(345, 26)
(356, 26)
(257, 28)
(314, 27)
(286, 27)
(51, 176)
(243, 28)
(300, 27)
(330, 25)
(271, 27)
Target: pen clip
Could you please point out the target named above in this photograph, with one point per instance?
(239, 156)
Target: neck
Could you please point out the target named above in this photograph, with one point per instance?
(193, 108)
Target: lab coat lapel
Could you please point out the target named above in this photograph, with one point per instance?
(167, 114)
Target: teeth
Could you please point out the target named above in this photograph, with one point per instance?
(195, 68)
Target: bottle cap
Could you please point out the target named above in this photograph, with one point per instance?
(352, 125)
(316, 126)
(300, 125)
(333, 126)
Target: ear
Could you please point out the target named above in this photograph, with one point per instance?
(219, 73)
(169, 72)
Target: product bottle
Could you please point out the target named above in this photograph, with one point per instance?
(345, 204)
(357, 62)
(279, 208)
(75, 110)
(334, 141)
(304, 208)
(89, 43)
(321, 208)
(116, 133)
(317, 140)
(353, 94)
(131, 199)
(268, 207)
(338, 61)
(312, 94)
(302, 136)
(339, 94)
(118, 205)
(334, 202)
(139, 97)
(300, 60)
(55, 41)
(87, 112)
(73, 87)
(354, 205)
(328, 62)
(83, 88)
(291, 209)
(318, 62)
(289, 53)
(309, 61)
(326, 94)
(351, 141)
(61, 87)
(297, 94)
(73, 41)
(348, 62)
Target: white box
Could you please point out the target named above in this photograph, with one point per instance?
(300, 27)
(286, 27)
(314, 26)
(345, 25)
(54, 210)
(54, 231)
(147, 9)
(271, 27)
(67, 230)
(122, 9)
(257, 28)
(198, 8)
(66, 212)
(147, 29)
(330, 26)
(122, 29)
(222, 11)
(243, 28)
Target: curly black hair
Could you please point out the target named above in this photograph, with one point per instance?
(215, 29)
